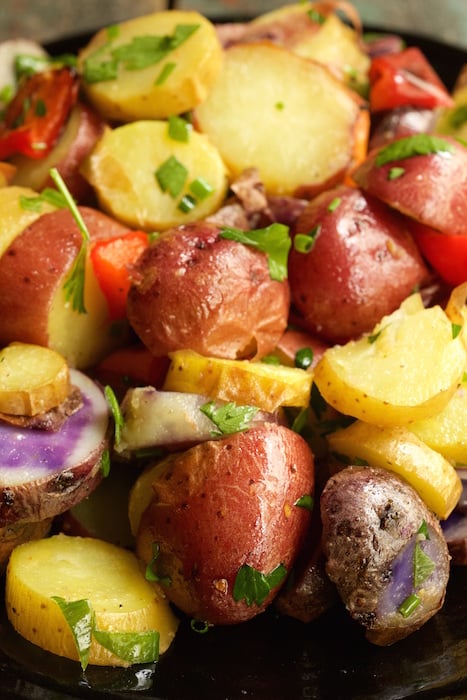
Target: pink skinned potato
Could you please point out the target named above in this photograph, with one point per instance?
(362, 265)
(82, 130)
(224, 504)
(194, 290)
(431, 189)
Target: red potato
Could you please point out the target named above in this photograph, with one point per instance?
(200, 498)
(362, 265)
(33, 307)
(431, 188)
(194, 290)
(294, 340)
(81, 132)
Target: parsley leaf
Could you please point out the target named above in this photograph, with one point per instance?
(229, 418)
(114, 406)
(80, 619)
(134, 647)
(409, 146)
(253, 586)
(274, 240)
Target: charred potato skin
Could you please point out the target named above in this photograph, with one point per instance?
(223, 504)
(194, 290)
(369, 515)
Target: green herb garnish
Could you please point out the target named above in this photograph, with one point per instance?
(114, 406)
(253, 586)
(303, 358)
(133, 647)
(150, 574)
(409, 146)
(334, 204)
(229, 418)
(171, 176)
(409, 605)
(456, 329)
(179, 129)
(274, 240)
(305, 501)
(395, 173)
(80, 619)
(304, 242)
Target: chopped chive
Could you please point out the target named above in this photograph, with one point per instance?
(409, 605)
(187, 204)
(171, 176)
(165, 72)
(179, 129)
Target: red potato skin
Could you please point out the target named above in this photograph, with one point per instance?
(223, 504)
(362, 265)
(34, 265)
(432, 189)
(194, 290)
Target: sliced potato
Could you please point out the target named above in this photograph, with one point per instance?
(406, 370)
(33, 379)
(76, 568)
(246, 383)
(16, 215)
(158, 73)
(286, 115)
(122, 168)
(396, 448)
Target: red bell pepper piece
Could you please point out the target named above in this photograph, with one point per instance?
(405, 78)
(112, 260)
(35, 117)
(445, 252)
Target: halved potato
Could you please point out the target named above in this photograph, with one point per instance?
(76, 568)
(124, 166)
(17, 214)
(33, 379)
(406, 370)
(247, 383)
(397, 449)
(284, 114)
(165, 63)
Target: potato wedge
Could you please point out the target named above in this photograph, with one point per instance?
(246, 383)
(406, 370)
(164, 63)
(397, 449)
(33, 379)
(16, 214)
(124, 166)
(287, 115)
(76, 568)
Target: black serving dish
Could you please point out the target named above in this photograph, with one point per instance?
(270, 657)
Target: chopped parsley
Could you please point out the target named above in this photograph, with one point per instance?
(305, 501)
(171, 176)
(274, 240)
(229, 418)
(409, 146)
(114, 407)
(253, 586)
(304, 242)
(303, 358)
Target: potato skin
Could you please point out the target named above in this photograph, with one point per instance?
(195, 290)
(223, 504)
(362, 265)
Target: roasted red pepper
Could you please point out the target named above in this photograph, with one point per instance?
(36, 115)
(405, 78)
(112, 260)
(446, 253)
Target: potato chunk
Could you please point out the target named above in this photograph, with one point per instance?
(287, 115)
(76, 568)
(406, 370)
(125, 166)
(164, 63)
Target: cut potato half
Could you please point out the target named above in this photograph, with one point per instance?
(246, 383)
(125, 165)
(165, 63)
(406, 370)
(33, 379)
(286, 115)
(16, 214)
(76, 568)
(397, 449)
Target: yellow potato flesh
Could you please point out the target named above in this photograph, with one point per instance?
(286, 115)
(399, 450)
(406, 371)
(246, 383)
(76, 568)
(142, 93)
(33, 379)
(15, 217)
(122, 170)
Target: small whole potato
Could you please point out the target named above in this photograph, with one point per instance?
(194, 290)
(224, 508)
(361, 265)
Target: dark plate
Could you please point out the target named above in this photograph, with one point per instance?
(269, 658)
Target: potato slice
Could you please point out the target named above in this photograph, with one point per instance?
(151, 81)
(15, 215)
(246, 383)
(286, 115)
(406, 370)
(122, 168)
(33, 379)
(397, 449)
(76, 568)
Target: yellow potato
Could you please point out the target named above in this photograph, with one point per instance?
(33, 379)
(122, 168)
(15, 216)
(76, 568)
(246, 383)
(158, 72)
(286, 115)
(406, 370)
(399, 450)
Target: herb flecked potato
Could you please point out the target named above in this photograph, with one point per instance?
(215, 569)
